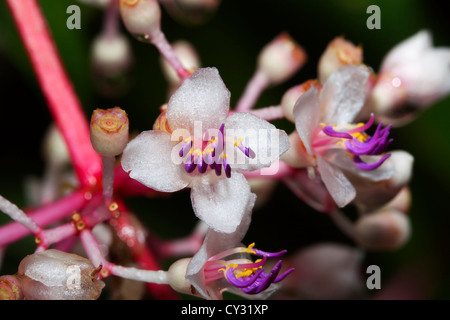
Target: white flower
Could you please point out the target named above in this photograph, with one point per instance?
(204, 150)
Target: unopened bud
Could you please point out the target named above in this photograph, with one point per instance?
(111, 55)
(97, 3)
(176, 276)
(188, 57)
(10, 288)
(297, 156)
(291, 96)
(281, 58)
(339, 52)
(55, 148)
(57, 275)
(383, 230)
(191, 11)
(141, 17)
(109, 131)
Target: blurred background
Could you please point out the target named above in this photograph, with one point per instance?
(230, 39)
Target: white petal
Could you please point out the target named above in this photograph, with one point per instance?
(343, 94)
(307, 116)
(203, 97)
(427, 79)
(337, 184)
(214, 243)
(148, 158)
(220, 202)
(341, 159)
(409, 50)
(263, 138)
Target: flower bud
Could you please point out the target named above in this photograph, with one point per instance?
(57, 275)
(141, 17)
(111, 55)
(383, 230)
(327, 271)
(191, 11)
(291, 96)
(372, 195)
(97, 3)
(281, 58)
(10, 288)
(54, 147)
(176, 276)
(188, 57)
(338, 53)
(296, 156)
(109, 131)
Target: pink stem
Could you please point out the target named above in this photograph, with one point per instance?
(269, 113)
(252, 91)
(44, 216)
(160, 42)
(61, 98)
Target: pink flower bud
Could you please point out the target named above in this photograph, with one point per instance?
(56, 275)
(141, 17)
(383, 230)
(338, 53)
(291, 96)
(281, 58)
(109, 131)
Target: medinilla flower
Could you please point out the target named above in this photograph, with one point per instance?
(223, 264)
(332, 143)
(197, 145)
(413, 75)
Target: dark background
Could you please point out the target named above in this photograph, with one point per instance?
(230, 40)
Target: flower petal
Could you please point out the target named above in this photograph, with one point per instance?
(341, 159)
(408, 50)
(343, 94)
(337, 184)
(148, 158)
(266, 141)
(203, 97)
(220, 202)
(214, 243)
(307, 116)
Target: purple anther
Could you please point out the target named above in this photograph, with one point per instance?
(328, 130)
(226, 168)
(185, 148)
(202, 165)
(241, 282)
(261, 253)
(369, 166)
(263, 281)
(247, 151)
(190, 165)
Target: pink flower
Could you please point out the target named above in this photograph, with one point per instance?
(331, 142)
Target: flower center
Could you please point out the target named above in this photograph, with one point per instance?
(243, 273)
(210, 153)
(357, 142)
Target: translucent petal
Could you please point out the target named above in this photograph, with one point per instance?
(220, 202)
(266, 141)
(149, 158)
(343, 94)
(203, 97)
(337, 184)
(307, 116)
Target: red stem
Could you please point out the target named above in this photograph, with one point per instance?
(57, 88)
